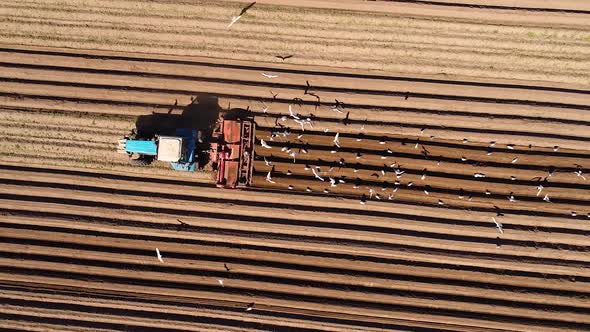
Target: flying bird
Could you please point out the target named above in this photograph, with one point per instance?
(498, 225)
(337, 140)
(294, 116)
(269, 75)
(265, 107)
(539, 188)
(220, 282)
(274, 95)
(511, 198)
(159, 255)
(269, 177)
(317, 176)
(284, 57)
(580, 174)
(264, 145)
(244, 10)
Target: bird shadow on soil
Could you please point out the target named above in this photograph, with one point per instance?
(201, 114)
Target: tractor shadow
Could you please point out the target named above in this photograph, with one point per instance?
(201, 114)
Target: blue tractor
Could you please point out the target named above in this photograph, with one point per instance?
(178, 150)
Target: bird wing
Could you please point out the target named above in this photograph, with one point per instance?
(234, 20)
(317, 175)
(245, 9)
(159, 255)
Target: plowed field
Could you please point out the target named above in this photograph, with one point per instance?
(476, 196)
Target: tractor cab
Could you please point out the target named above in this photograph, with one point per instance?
(178, 150)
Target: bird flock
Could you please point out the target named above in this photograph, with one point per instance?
(282, 129)
(387, 192)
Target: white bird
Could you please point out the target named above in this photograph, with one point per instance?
(266, 162)
(220, 282)
(326, 130)
(265, 107)
(269, 75)
(511, 198)
(244, 10)
(290, 187)
(264, 145)
(335, 109)
(332, 182)
(293, 154)
(371, 192)
(574, 214)
(492, 143)
(463, 159)
(514, 160)
(579, 173)
(269, 177)
(308, 189)
(317, 176)
(546, 198)
(250, 306)
(291, 113)
(498, 225)
(159, 255)
(465, 141)
(479, 175)
(440, 202)
(336, 139)
(540, 188)
(510, 146)
(555, 148)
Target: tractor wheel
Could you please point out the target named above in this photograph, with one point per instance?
(141, 161)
